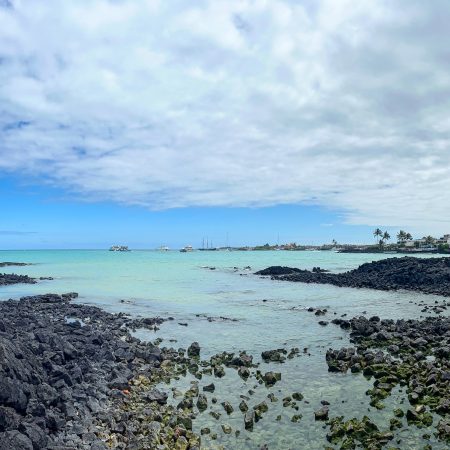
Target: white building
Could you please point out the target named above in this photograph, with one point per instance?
(443, 240)
(422, 243)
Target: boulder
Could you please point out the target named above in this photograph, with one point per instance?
(193, 350)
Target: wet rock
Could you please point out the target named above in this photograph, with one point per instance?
(219, 371)
(215, 414)
(277, 270)
(227, 429)
(186, 404)
(192, 391)
(185, 421)
(193, 350)
(243, 406)
(241, 361)
(443, 429)
(274, 355)
(243, 372)
(322, 413)
(227, 407)
(259, 410)
(209, 388)
(202, 402)
(270, 378)
(249, 419)
(182, 443)
(293, 352)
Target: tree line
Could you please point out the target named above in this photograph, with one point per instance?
(383, 236)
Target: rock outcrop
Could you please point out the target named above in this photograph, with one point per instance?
(427, 275)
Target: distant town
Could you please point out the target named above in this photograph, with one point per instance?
(404, 243)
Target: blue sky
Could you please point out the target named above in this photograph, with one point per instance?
(39, 217)
(147, 121)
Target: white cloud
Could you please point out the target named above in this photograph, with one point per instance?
(237, 103)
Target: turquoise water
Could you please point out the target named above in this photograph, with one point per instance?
(269, 314)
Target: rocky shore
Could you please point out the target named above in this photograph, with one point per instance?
(7, 279)
(413, 354)
(12, 278)
(427, 275)
(9, 263)
(72, 377)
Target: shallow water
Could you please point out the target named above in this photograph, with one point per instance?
(269, 314)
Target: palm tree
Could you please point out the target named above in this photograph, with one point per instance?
(408, 237)
(401, 237)
(378, 233)
(429, 240)
(385, 237)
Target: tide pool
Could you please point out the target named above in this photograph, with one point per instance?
(227, 308)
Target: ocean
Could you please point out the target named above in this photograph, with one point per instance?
(227, 308)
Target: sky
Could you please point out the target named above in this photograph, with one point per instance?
(150, 122)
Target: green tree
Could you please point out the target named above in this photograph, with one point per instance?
(386, 237)
(378, 234)
(401, 237)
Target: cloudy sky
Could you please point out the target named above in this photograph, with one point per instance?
(338, 105)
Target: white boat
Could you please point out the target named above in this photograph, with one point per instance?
(164, 248)
(119, 248)
(187, 249)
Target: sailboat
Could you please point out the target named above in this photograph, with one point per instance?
(209, 246)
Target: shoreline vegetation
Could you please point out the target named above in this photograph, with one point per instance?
(73, 376)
